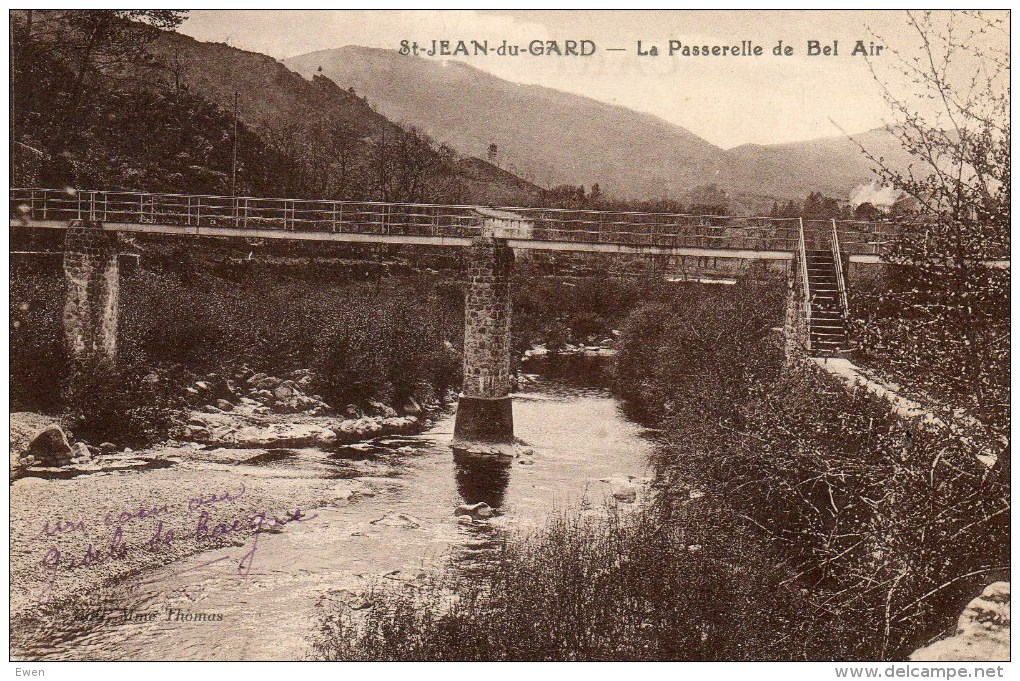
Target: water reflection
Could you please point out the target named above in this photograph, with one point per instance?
(481, 477)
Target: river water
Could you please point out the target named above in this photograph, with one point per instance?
(399, 525)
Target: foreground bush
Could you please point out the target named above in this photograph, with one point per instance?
(891, 525)
(613, 586)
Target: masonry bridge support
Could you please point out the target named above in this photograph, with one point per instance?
(485, 408)
(91, 306)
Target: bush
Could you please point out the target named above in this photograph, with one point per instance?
(388, 349)
(124, 402)
(701, 350)
(38, 358)
(588, 587)
(891, 524)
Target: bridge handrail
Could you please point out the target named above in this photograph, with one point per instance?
(837, 257)
(805, 282)
(548, 224)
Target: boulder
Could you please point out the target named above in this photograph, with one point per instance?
(255, 379)
(626, 494)
(107, 448)
(352, 411)
(382, 409)
(224, 405)
(412, 407)
(326, 437)
(267, 383)
(204, 386)
(50, 447)
(80, 453)
(479, 511)
(982, 632)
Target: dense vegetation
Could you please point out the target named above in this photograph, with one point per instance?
(367, 330)
(829, 527)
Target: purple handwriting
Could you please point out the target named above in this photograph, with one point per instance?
(163, 536)
(113, 519)
(203, 500)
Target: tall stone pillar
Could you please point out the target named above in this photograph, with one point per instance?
(93, 287)
(484, 411)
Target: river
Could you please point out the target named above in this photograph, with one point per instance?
(392, 520)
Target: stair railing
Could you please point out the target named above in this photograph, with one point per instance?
(837, 257)
(802, 255)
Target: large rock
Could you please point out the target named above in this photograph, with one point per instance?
(25, 426)
(382, 409)
(479, 511)
(982, 632)
(50, 447)
(80, 453)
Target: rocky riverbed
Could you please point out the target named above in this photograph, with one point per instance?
(268, 536)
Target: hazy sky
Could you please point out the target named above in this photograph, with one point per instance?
(726, 100)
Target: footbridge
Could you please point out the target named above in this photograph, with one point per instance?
(818, 252)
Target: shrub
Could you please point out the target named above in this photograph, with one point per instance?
(891, 523)
(38, 358)
(616, 586)
(124, 402)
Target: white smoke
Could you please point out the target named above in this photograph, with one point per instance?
(875, 193)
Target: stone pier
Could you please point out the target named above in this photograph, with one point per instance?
(93, 285)
(485, 410)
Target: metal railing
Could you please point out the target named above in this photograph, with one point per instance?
(630, 228)
(837, 258)
(805, 282)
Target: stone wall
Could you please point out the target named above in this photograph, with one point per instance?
(93, 283)
(487, 319)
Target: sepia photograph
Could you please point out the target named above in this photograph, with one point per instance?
(510, 336)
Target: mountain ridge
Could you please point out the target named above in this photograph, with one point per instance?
(556, 137)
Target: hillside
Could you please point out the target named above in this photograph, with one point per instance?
(554, 137)
(490, 185)
(270, 96)
(831, 165)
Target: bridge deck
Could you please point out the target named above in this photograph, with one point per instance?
(444, 225)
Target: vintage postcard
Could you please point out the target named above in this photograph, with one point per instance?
(511, 335)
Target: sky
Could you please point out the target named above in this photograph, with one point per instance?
(726, 100)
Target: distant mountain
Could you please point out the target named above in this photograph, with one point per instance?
(831, 165)
(553, 137)
(280, 104)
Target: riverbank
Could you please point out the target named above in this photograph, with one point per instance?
(84, 527)
(385, 512)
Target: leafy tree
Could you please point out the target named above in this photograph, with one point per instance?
(87, 44)
(946, 324)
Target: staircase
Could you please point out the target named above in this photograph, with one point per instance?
(828, 323)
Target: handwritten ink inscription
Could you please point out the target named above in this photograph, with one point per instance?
(204, 529)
